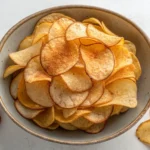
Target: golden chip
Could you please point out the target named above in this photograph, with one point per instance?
(88, 41)
(67, 126)
(92, 21)
(69, 112)
(116, 110)
(53, 126)
(130, 46)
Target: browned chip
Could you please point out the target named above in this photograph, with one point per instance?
(67, 126)
(53, 126)
(88, 41)
(130, 46)
(69, 112)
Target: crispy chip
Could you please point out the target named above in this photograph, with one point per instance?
(39, 93)
(92, 21)
(108, 40)
(124, 109)
(60, 118)
(67, 126)
(53, 126)
(41, 31)
(88, 41)
(26, 112)
(58, 56)
(15, 84)
(126, 72)
(124, 93)
(130, 46)
(94, 94)
(75, 31)
(22, 57)
(96, 128)
(69, 112)
(59, 27)
(99, 61)
(64, 97)
(106, 97)
(24, 98)
(77, 80)
(143, 132)
(80, 62)
(35, 72)
(82, 123)
(45, 118)
(99, 115)
(11, 69)
(117, 110)
(25, 43)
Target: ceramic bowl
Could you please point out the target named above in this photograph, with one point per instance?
(116, 125)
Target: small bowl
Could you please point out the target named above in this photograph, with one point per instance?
(115, 125)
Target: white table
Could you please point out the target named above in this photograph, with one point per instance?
(13, 137)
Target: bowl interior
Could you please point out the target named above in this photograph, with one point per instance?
(115, 125)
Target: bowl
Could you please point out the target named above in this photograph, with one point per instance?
(117, 124)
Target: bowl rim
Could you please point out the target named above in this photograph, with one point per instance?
(55, 9)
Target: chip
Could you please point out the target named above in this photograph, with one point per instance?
(69, 112)
(63, 96)
(94, 94)
(116, 110)
(96, 128)
(105, 98)
(80, 62)
(143, 132)
(59, 27)
(77, 80)
(99, 115)
(22, 57)
(45, 118)
(35, 72)
(67, 126)
(58, 56)
(11, 69)
(25, 43)
(53, 126)
(26, 112)
(99, 61)
(75, 31)
(60, 118)
(88, 41)
(92, 21)
(15, 84)
(39, 93)
(24, 98)
(130, 46)
(82, 123)
(108, 40)
(124, 109)
(41, 31)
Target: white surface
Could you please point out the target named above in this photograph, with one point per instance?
(13, 137)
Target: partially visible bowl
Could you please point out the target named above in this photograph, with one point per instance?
(118, 24)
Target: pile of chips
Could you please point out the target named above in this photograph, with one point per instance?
(73, 74)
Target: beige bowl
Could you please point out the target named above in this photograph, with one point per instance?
(116, 125)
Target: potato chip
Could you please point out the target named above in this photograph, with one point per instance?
(25, 43)
(99, 115)
(39, 93)
(88, 41)
(51, 18)
(75, 31)
(121, 42)
(22, 57)
(80, 62)
(15, 84)
(116, 110)
(143, 132)
(96, 128)
(64, 97)
(94, 94)
(92, 21)
(26, 112)
(126, 72)
(82, 123)
(59, 27)
(124, 109)
(41, 31)
(122, 57)
(106, 30)
(53, 126)
(11, 69)
(45, 118)
(130, 46)
(99, 61)
(108, 40)
(77, 80)
(67, 126)
(137, 69)
(124, 93)
(60, 118)
(35, 72)
(69, 112)
(24, 98)
(58, 56)
(106, 97)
